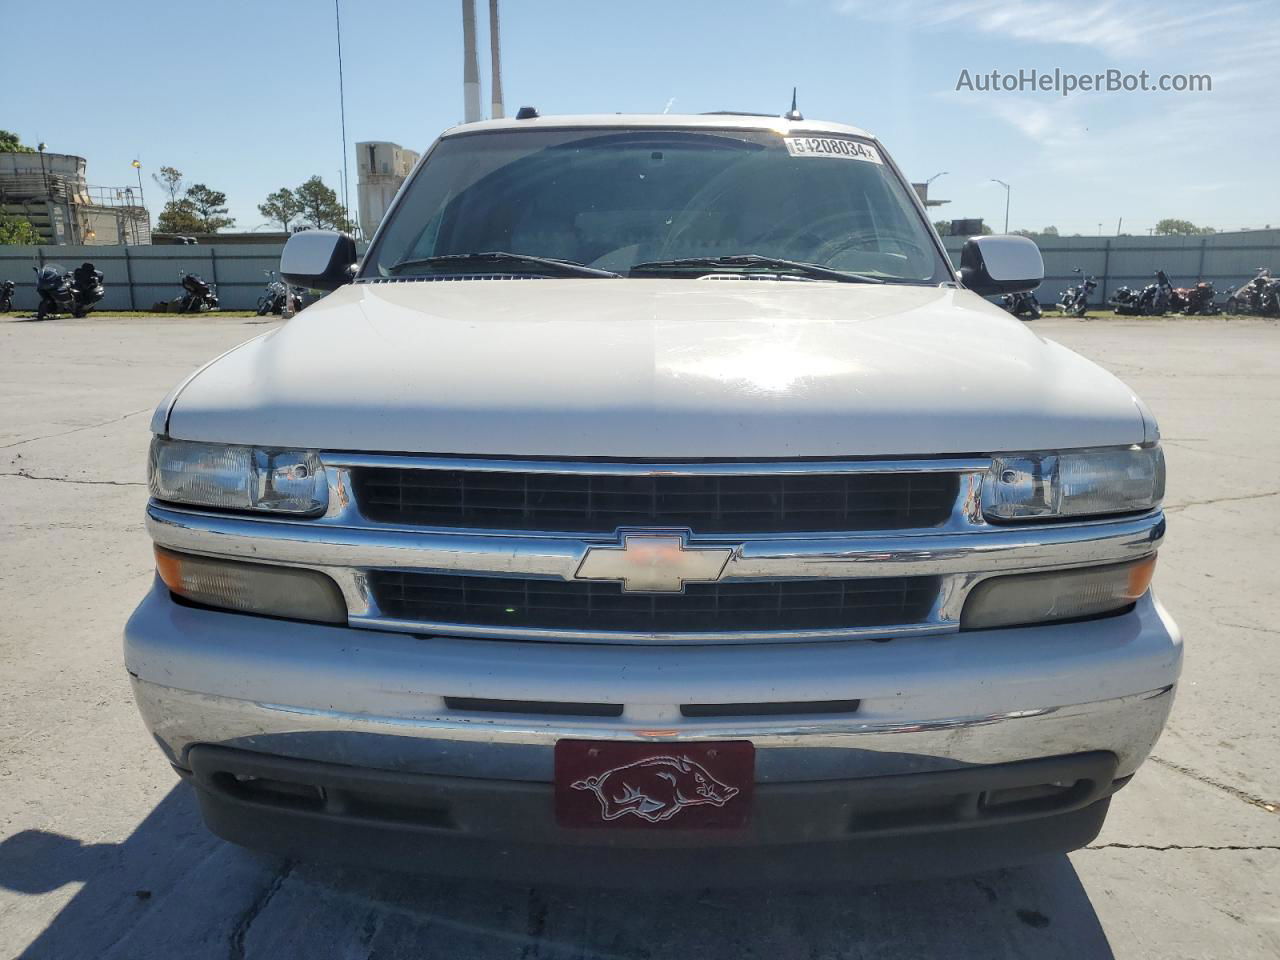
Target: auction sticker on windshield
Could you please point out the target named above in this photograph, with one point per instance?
(831, 147)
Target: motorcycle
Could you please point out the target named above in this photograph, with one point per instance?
(278, 293)
(87, 285)
(1124, 301)
(1022, 305)
(53, 284)
(6, 295)
(1196, 300)
(197, 296)
(1154, 300)
(1261, 295)
(1075, 299)
(63, 292)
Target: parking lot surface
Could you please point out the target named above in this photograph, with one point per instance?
(102, 854)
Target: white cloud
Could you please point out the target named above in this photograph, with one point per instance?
(1159, 145)
(1117, 29)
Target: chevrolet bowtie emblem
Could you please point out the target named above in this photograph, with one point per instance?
(653, 563)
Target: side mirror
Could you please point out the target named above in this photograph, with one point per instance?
(1000, 264)
(319, 259)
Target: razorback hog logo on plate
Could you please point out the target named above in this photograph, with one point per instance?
(656, 788)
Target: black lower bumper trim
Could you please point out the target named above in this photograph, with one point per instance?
(867, 830)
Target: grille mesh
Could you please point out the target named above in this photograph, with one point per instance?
(740, 503)
(703, 607)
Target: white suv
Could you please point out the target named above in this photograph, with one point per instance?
(655, 501)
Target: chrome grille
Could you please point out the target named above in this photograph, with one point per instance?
(758, 502)
(749, 605)
(380, 566)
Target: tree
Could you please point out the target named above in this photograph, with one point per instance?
(319, 206)
(281, 207)
(9, 143)
(210, 207)
(170, 180)
(1170, 227)
(179, 216)
(943, 227)
(18, 230)
(1050, 231)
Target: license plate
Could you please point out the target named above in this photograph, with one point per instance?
(705, 785)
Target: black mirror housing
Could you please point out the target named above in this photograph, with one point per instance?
(318, 259)
(1000, 264)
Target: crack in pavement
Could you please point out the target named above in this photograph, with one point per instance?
(1245, 626)
(255, 910)
(88, 426)
(1174, 508)
(1269, 806)
(1179, 846)
(101, 483)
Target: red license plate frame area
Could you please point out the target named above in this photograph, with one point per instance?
(605, 784)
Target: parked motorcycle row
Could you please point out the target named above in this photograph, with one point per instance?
(76, 292)
(1259, 296)
(73, 292)
(1161, 296)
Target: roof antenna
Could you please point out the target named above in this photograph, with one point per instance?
(793, 113)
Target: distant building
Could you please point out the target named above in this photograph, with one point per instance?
(382, 167)
(49, 189)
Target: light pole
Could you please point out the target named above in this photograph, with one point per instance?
(1007, 191)
(142, 200)
(935, 177)
(44, 173)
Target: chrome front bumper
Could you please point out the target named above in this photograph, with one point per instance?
(365, 699)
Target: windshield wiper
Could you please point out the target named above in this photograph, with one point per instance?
(815, 270)
(570, 268)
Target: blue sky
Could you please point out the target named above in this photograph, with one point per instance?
(258, 109)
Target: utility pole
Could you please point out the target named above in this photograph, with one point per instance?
(495, 61)
(342, 112)
(470, 65)
(1007, 191)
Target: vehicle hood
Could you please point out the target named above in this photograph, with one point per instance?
(654, 369)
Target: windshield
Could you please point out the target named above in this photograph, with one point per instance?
(628, 201)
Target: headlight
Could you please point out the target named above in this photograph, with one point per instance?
(237, 478)
(1027, 598)
(1073, 483)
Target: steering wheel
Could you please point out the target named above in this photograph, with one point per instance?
(822, 240)
(831, 247)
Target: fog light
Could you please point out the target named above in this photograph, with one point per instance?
(1056, 595)
(252, 587)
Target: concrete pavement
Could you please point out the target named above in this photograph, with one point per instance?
(102, 854)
